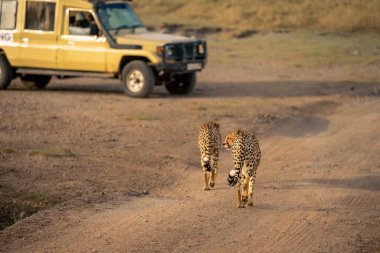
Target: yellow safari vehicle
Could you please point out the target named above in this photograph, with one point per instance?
(66, 38)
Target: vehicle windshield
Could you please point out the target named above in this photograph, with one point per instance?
(117, 16)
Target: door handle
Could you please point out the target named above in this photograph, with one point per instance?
(25, 40)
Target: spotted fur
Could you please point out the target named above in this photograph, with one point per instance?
(246, 155)
(209, 142)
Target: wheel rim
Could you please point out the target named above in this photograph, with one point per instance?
(135, 81)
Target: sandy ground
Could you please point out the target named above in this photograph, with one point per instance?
(109, 173)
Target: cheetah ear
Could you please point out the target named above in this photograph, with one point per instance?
(239, 131)
(216, 125)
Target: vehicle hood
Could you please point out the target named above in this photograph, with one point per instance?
(150, 37)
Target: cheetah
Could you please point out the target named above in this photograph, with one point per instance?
(246, 155)
(209, 142)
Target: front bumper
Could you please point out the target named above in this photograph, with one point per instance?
(183, 57)
(180, 67)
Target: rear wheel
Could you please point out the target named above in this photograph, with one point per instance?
(35, 82)
(5, 72)
(138, 79)
(182, 84)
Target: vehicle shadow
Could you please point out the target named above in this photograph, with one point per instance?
(221, 90)
(286, 89)
(77, 85)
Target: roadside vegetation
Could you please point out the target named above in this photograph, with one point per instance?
(247, 15)
(281, 33)
(298, 49)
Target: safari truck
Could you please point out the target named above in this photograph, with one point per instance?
(66, 38)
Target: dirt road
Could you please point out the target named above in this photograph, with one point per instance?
(115, 174)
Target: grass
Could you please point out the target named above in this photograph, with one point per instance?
(7, 151)
(8, 220)
(224, 105)
(21, 205)
(37, 199)
(51, 152)
(139, 116)
(299, 48)
(245, 15)
(284, 33)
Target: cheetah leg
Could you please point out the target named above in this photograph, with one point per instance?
(244, 197)
(244, 180)
(206, 175)
(215, 160)
(214, 169)
(237, 180)
(238, 195)
(212, 178)
(251, 184)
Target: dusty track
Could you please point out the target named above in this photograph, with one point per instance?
(318, 187)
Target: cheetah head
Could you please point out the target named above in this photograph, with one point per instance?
(229, 140)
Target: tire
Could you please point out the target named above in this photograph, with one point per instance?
(138, 79)
(183, 84)
(35, 82)
(5, 72)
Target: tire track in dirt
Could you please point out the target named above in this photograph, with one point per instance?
(291, 235)
(361, 201)
(326, 197)
(104, 229)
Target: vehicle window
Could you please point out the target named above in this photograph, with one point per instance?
(8, 13)
(116, 16)
(82, 23)
(40, 16)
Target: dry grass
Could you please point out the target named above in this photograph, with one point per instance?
(22, 204)
(139, 117)
(300, 48)
(244, 15)
(51, 152)
(6, 151)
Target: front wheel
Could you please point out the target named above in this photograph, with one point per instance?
(35, 82)
(182, 84)
(5, 72)
(138, 79)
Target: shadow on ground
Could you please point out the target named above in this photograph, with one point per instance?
(370, 183)
(287, 89)
(222, 90)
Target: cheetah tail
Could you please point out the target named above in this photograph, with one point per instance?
(233, 178)
(206, 163)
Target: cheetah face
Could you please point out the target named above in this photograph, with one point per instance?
(229, 141)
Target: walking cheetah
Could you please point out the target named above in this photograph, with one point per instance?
(246, 155)
(209, 142)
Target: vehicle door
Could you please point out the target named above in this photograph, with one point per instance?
(38, 37)
(9, 39)
(81, 47)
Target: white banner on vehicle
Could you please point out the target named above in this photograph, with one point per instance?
(6, 36)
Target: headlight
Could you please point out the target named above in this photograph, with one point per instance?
(201, 48)
(165, 51)
(169, 51)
